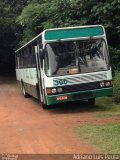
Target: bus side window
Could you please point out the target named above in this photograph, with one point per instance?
(33, 61)
(27, 57)
(30, 49)
(17, 60)
(24, 54)
(21, 59)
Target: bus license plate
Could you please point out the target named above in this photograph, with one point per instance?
(62, 98)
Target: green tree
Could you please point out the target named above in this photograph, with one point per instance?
(9, 10)
(41, 14)
(17, 27)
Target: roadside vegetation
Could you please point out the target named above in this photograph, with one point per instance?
(116, 87)
(106, 106)
(104, 136)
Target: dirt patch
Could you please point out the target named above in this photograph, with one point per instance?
(26, 128)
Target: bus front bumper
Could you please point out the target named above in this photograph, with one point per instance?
(81, 95)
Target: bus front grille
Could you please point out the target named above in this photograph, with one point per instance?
(81, 87)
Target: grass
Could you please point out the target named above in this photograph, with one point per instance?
(110, 108)
(107, 114)
(106, 137)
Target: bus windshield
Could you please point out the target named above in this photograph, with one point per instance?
(73, 57)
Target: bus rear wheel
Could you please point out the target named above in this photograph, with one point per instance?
(25, 94)
(91, 101)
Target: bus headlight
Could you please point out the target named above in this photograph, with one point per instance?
(102, 84)
(54, 90)
(59, 90)
(107, 84)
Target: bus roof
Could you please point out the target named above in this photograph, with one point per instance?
(73, 32)
(32, 40)
(69, 32)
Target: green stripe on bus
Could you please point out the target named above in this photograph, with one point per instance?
(98, 93)
(74, 33)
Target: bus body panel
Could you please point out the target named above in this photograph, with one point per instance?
(81, 95)
(58, 81)
(80, 87)
(28, 76)
(75, 86)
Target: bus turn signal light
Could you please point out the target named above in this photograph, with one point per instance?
(51, 90)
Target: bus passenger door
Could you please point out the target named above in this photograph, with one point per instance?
(39, 73)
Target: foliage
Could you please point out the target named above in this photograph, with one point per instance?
(16, 27)
(115, 59)
(116, 87)
(42, 14)
(9, 10)
(103, 13)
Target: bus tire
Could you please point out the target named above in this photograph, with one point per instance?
(25, 94)
(91, 101)
(44, 106)
(43, 103)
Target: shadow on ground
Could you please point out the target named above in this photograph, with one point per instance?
(80, 106)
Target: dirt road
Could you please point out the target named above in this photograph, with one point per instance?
(26, 128)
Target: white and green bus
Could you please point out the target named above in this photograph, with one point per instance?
(65, 64)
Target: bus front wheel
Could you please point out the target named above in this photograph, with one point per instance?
(44, 106)
(91, 101)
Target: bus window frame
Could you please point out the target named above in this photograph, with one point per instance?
(107, 56)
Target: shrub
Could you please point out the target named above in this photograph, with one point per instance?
(115, 58)
(116, 87)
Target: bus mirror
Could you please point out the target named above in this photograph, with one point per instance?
(42, 53)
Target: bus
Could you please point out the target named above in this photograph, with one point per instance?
(65, 64)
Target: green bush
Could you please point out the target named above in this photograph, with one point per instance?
(116, 87)
(115, 58)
